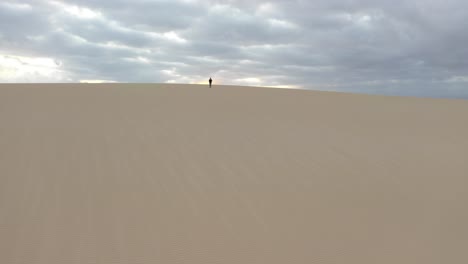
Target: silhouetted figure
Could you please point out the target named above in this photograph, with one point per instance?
(210, 81)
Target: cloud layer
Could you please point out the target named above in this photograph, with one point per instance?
(402, 47)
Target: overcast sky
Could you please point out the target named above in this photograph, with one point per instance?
(412, 47)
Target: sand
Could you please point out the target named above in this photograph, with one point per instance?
(126, 173)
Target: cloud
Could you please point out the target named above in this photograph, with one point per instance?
(97, 81)
(27, 69)
(458, 79)
(375, 46)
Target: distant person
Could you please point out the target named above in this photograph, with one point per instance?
(210, 81)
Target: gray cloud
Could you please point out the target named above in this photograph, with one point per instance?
(375, 46)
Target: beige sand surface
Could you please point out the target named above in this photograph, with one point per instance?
(168, 174)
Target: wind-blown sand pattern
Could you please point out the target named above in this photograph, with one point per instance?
(137, 174)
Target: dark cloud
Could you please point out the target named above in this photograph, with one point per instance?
(402, 47)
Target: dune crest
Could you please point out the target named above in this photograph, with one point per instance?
(129, 173)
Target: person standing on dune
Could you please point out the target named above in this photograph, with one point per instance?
(210, 81)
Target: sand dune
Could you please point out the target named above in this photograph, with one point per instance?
(137, 174)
